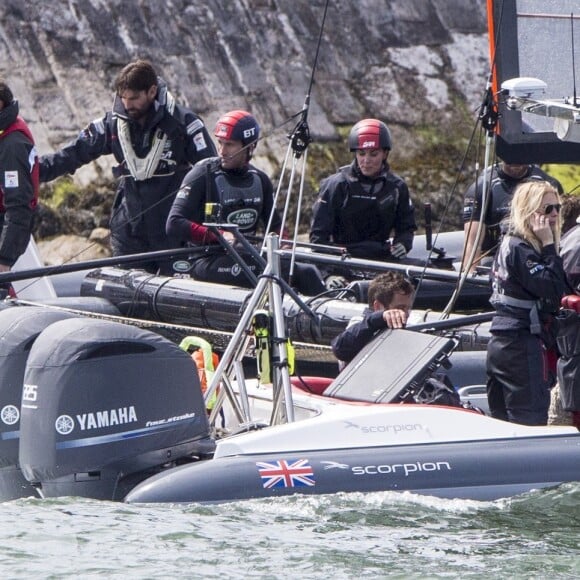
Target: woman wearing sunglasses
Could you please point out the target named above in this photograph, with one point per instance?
(528, 283)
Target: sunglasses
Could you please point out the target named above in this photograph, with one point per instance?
(548, 209)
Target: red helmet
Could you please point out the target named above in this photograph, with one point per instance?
(369, 134)
(238, 126)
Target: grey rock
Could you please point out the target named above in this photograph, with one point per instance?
(419, 65)
(71, 248)
(405, 61)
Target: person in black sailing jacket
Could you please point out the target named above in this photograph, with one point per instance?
(18, 180)
(390, 298)
(565, 399)
(501, 179)
(155, 142)
(364, 203)
(237, 193)
(528, 281)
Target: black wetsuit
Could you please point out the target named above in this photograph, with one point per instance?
(243, 197)
(362, 213)
(569, 328)
(356, 336)
(501, 188)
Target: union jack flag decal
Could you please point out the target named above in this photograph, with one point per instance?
(286, 473)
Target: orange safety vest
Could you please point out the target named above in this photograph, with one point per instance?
(197, 357)
(205, 365)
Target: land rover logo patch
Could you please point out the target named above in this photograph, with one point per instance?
(243, 217)
(182, 266)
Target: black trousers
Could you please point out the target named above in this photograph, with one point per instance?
(519, 378)
(568, 323)
(223, 269)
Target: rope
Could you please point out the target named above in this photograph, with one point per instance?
(177, 332)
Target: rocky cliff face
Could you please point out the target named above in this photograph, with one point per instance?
(420, 65)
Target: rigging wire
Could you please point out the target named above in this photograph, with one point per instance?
(573, 57)
(300, 138)
(488, 117)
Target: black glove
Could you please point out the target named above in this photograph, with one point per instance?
(398, 251)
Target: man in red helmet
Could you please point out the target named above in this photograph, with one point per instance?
(155, 142)
(364, 203)
(229, 189)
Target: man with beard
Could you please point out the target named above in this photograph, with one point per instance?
(155, 142)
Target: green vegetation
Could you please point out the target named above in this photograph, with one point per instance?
(567, 175)
(66, 208)
(428, 157)
(431, 158)
(62, 191)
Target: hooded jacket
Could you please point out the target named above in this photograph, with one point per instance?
(18, 184)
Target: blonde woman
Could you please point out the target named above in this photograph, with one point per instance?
(528, 283)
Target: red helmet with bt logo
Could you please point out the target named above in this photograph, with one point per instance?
(369, 134)
(238, 126)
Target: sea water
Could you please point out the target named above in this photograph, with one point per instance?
(377, 535)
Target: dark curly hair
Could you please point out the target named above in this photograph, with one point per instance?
(383, 286)
(136, 76)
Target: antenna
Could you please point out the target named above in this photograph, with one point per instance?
(573, 57)
(300, 136)
(299, 141)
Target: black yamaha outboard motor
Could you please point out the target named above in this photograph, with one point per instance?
(106, 405)
(19, 328)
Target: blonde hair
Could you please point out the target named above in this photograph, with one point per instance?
(528, 199)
